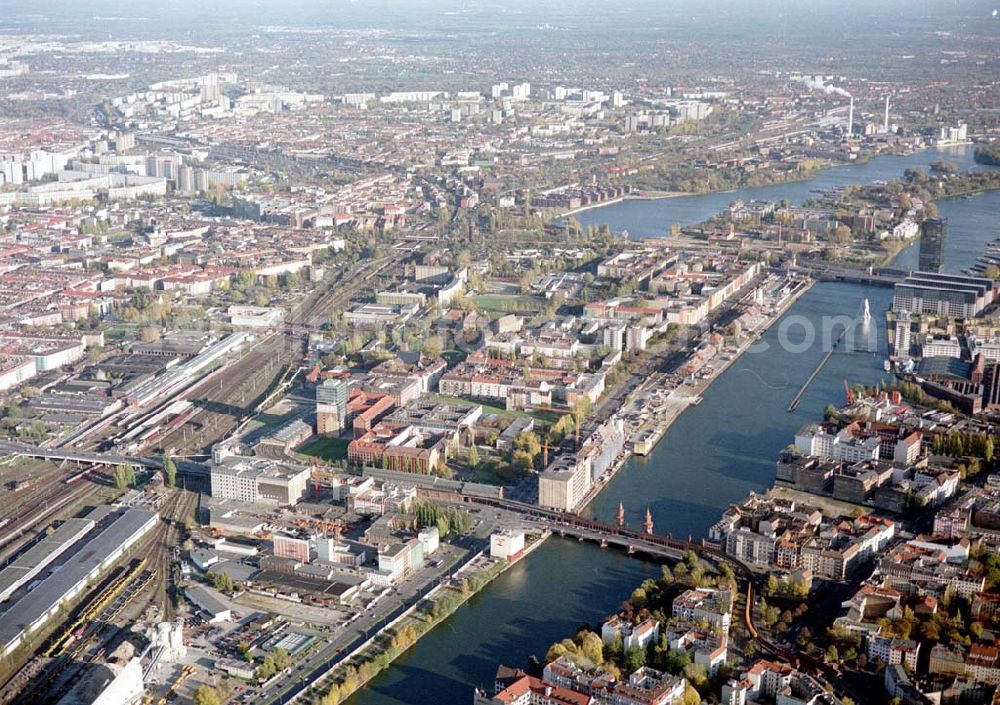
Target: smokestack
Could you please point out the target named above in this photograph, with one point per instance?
(850, 118)
(885, 123)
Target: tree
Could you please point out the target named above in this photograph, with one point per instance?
(635, 658)
(207, 695)
(433, 346)
(638, 597)
(696, 674)
(555, 651)
(842, 234)
(522, 460)
(222, 582)
(267, 668)
(528, 442)
(592, 647)
(615, 648)
(473, 456)
(282, 659)
(691, 696)
(581, 409)
(291, 280)
(674, 661)
(123, 476)
(561, 428)
(169, 471)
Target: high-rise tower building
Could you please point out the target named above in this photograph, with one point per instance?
(331, 406)
(932, 236)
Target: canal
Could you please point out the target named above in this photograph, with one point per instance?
(711, 457)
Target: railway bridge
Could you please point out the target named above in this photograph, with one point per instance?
(79, 456)
(667, 547)
(633, 541)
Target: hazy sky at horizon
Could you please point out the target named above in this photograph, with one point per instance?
(388, 11)
(824, 24)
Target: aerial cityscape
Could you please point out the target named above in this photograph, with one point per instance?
(500, 352)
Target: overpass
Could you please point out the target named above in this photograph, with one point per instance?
(79, 456)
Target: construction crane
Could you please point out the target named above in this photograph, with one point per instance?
(849, 392)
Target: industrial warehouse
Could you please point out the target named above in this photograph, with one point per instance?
(118, 531)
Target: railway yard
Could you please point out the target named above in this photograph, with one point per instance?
(221, 403)
(141, 587)
(183, 411)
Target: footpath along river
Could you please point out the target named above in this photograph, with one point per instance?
(712, 456)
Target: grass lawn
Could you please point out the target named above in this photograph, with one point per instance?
(546, 417)
(501, 303)
(325, 448)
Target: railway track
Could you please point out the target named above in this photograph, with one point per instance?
(85, 639)
(226, 402)
(175, 510)
(313, 314)
(45, 500)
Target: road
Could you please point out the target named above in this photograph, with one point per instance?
(340, 647)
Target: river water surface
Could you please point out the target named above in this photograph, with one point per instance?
(711, 457)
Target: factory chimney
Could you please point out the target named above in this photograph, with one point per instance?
(850, 119)
(885, 123)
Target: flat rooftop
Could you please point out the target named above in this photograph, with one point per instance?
(43, 552)
(258, 467)
(205, 600)
(55, 588)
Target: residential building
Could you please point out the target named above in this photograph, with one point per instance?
(710, 605)
(633, 636)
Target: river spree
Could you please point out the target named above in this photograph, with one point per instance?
(972, 222)
(712, 456)
(651, 218)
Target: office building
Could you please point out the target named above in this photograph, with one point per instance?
(331, 406)
(950, 295)
(258, 480)
(932, 236)
(291, 547)
(406, 449)
(902, 340)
